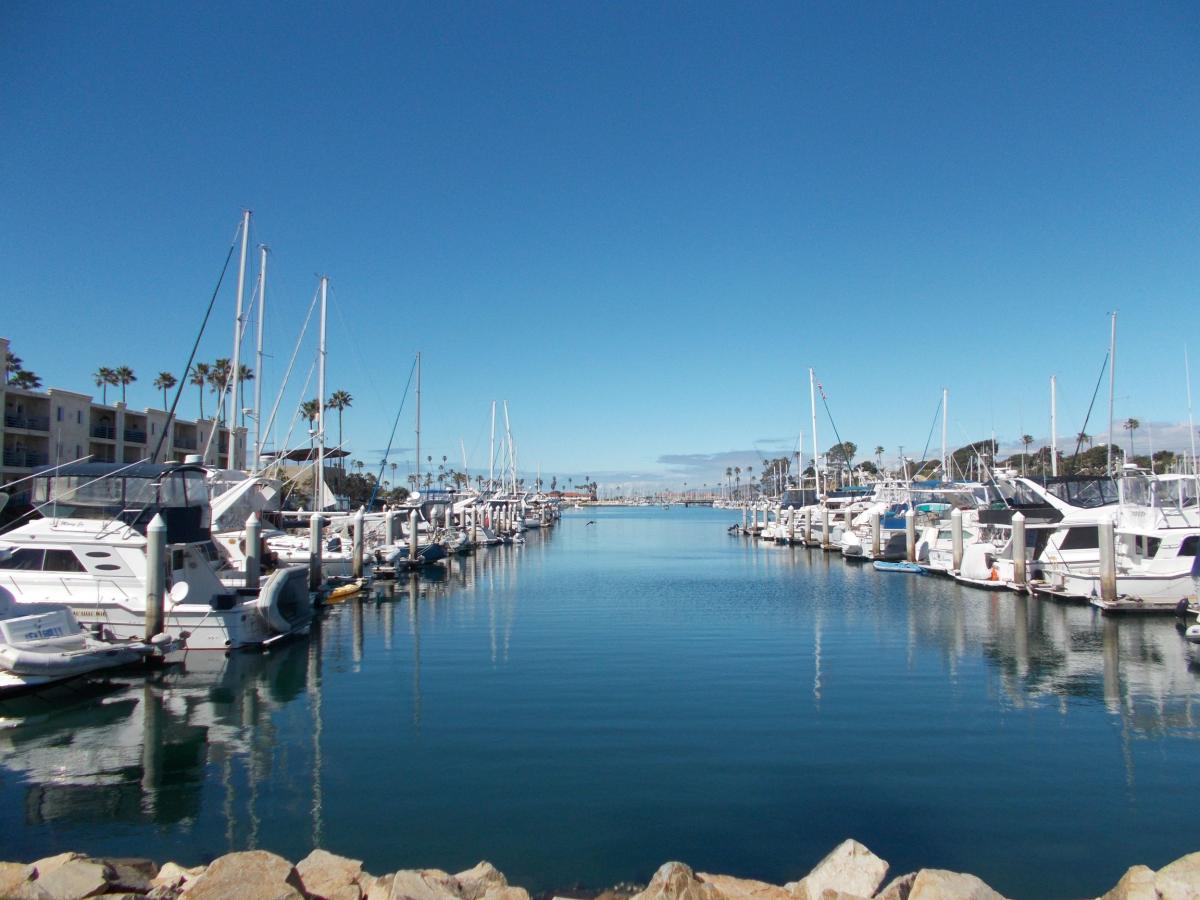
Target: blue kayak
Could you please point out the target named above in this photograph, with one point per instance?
(910, 568)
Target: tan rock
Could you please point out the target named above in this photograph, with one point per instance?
(676, 881)
(1136, 884)
(172, 875)
(506, 893)
(479, 879)
(74, 879)
(849, 867)
(376, 887)
(12, 876)
(745, 888)
(330, 877)
(939, 884)
(1180, 879)
(898, 888)
(248, 875)
(832, 894)
(130, 874)
(50, 863)
(423, 884)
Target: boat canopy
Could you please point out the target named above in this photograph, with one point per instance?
(1083, 491)
(132, 494)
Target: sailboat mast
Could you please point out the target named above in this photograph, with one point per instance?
(512, 461)
(492, 452)
(319, 499)
(945, 416)
(1054, 425)
(418, 420)
(258, 356)
(812, 401)
(237, 330)
(1112, 386)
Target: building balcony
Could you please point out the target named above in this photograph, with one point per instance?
(104, 432)
(25, 459)
(29, 423)
(135, 437)
(183, 443)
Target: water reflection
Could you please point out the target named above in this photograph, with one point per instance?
(516, 659)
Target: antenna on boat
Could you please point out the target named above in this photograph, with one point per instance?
(812, 402)
(1187, 371)
(237, 331)
(258, 356)
(319, 498)
(945, 408)
(1112, 374)
(1053, 426)
(418, 420)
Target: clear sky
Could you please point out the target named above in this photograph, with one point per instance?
(639, 223)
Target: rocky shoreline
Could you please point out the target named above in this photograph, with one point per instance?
(849, 872)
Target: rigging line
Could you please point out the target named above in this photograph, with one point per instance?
(929, 437)
(1083, 431)
(391, 437)
(287, 438)
(291, 363)
(360, 359)
(196, 345)
(841, 443)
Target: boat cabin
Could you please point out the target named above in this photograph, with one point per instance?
(132, 494)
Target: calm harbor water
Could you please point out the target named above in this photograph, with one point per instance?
(609, 696)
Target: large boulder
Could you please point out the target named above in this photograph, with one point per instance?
(939, 884)
(676, 881)
(744, 888)
(850, 867)
(74, 879)
(248, 875)
(476, 881)
(130, 875)
(12, 876)
(326, 876)
(1136, 884)
(898, 888)
(423, 884)
(1180, 880)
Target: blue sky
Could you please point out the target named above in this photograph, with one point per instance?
(638, 223)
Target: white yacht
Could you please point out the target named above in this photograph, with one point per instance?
(88, 552)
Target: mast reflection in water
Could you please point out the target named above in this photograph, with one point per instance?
(603, 698)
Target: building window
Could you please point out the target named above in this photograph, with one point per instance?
(78, 452)
(79, 417)
(59, 414)
(153, 427)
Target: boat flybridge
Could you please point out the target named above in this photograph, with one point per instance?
(89, 553)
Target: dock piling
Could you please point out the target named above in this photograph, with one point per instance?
(1018, 549)
(253, 551)
(156, 575)
(314, 552)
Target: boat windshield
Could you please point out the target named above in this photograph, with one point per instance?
(1083, 492)
(1175, 493)
(131, 494)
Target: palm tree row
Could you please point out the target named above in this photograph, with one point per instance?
(105, 377)
(215, 376)
(17, 376)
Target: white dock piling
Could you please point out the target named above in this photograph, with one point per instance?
(876, 535)
(956, 538)
(412, 536)
(253, 551)
(791, 525)
(357, 545)
(314, 552)
(825, 542)
(910, 535)
(1018, 549)
(389, 527)
(1108, 561)
(156, 574)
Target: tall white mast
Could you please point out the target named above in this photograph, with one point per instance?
(1187, 372)
(237, 329)
(1112, 386)
(512, 460)
(258, 356)
(1053, 425)
(319, 501)
(418, 420)
(492, 452)
(812, 400)
(945, 416)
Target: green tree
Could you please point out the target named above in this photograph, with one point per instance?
(124, 377)
(12, 365)
(198, 375)
(1131, 425)
(219, 374)
(339, 400)
(104, 376)
(26, 380)
(164, 382)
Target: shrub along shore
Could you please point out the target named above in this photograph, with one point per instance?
(849, 872)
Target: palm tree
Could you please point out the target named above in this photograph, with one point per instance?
(728, 478)
(219, 374)
(12, 365)
(310, 409)
(393, 473)
(198, 375)
(124, 377)
(164, 382)
(104, 376)
(1026, 439)
(1131, 425)
(245, 374)
(1084, 438)
(339, 400)
(737, 473)
(879, 457)
(27, 380)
